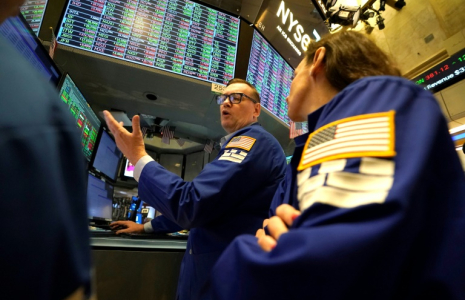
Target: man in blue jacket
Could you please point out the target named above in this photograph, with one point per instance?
(229, 197)
(374, 195)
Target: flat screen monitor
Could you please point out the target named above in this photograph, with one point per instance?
(99, 199)
(271, 75)
(19, 34)
(107, 157)
(178, 36)
(33, 11)
(443, 75)
(86, 120)
(128, 170)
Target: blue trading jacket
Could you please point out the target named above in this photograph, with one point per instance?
(230, 196)
(45, 253)
(387, 223)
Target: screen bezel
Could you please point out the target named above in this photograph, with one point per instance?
(94, 155)
(66, 4)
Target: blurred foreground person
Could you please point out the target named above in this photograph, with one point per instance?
(45, 253)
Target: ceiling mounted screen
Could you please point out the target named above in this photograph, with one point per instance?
(271, 75)
(178, 36)
(33, 11)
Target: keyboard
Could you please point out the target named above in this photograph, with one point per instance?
(102, 233)
(102, 226)
(152, 236)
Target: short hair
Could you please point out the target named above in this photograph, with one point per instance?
(350, 56)
(255, 93)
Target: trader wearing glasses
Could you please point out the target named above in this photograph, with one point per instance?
(229, 197)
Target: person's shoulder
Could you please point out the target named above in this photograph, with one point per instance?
(25, 91)
(396, 83)
(260, 139)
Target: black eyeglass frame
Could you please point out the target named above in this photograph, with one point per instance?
(221, 98)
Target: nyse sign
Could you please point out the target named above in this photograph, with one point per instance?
(290, 27)
(294, 27)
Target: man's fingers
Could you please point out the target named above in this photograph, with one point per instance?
(287, 213)
(260, 233)
(112, 124)
(126, 230)
(265, 222)
(276, 227)
(119, 223)
(136, 125)
(267, 243)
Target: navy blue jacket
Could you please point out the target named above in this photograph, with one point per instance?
(230, 196)
(381, 191)
(45, 251)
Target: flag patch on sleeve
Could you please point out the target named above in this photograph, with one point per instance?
(360, 136)
(233, 155)
(241, 142)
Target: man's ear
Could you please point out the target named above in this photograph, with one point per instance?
(257, 109)
(318, 61)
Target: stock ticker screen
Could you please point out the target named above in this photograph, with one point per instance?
(86, 120)
(178, 36)
(271, 75)
(443, 75)
(33, 11)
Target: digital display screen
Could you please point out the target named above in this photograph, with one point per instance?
(128, 169)
(33, 11)
(99, 198)
(445, 74)
(271, 75)
(86, 120)
(107, 156)
(178, 36)
(17, 32)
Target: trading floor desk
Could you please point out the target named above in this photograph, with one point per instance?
(129, 269)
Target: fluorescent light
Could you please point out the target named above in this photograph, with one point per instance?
(458, 148)
(457, 129)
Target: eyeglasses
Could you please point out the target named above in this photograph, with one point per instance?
(234, 98)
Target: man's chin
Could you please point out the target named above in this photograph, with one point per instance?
(226, 126)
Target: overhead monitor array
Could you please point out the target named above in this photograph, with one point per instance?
(33, 11)
(178, 36)
(271, 75)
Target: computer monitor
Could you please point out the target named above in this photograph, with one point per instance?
(272, 76)
(107, 157)
(99, 199)
(181, 37)
(22, 38)
(86, 120)
(128, 170)
(33, 11)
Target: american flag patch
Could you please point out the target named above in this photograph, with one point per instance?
(359, 136)
(242, 142)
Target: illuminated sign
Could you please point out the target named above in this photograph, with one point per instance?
(290, 27)
(299, 35)
(443, 75)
